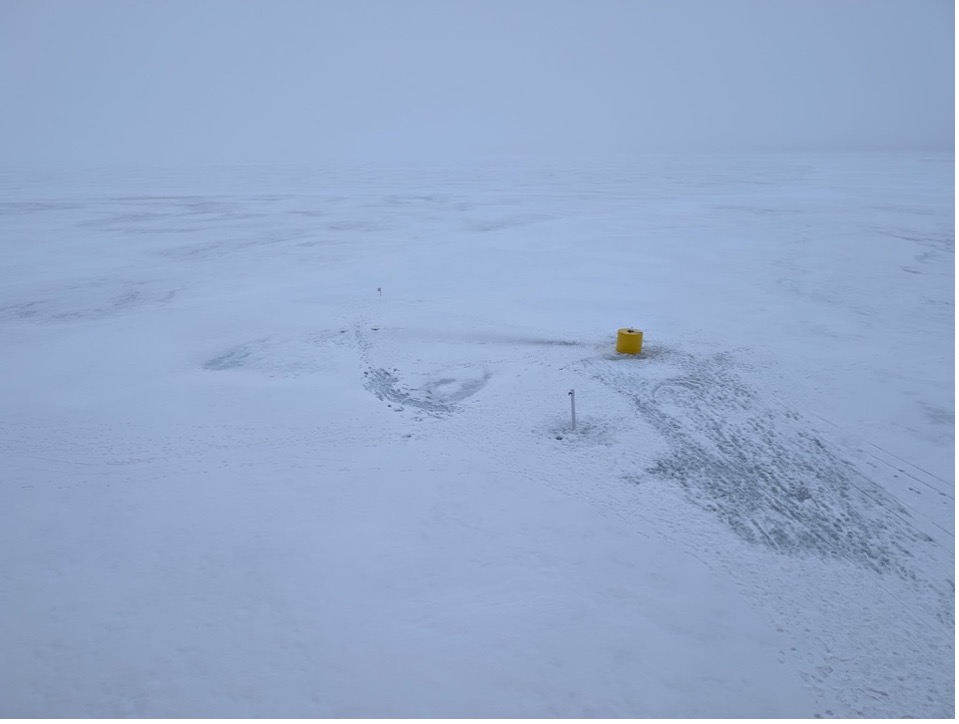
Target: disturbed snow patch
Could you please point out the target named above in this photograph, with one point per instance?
(759, 467)
(278, 357)
(436, 396)
(230, 359)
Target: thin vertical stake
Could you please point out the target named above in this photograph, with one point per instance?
(572, 406)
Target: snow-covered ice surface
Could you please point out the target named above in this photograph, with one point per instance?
(240, 481)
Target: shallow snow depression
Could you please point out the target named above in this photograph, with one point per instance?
(296, 443)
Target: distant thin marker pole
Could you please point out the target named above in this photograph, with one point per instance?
(380, 290)
(572, 406)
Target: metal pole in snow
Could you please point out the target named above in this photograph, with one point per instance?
(572, 406)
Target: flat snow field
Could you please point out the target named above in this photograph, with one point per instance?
(297, 442)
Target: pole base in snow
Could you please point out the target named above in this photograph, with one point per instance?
(629, 341)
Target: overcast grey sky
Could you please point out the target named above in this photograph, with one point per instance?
(176, 81)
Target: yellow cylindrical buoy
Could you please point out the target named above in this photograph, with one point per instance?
(629, 341)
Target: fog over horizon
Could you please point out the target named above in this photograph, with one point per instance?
(218, 82)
